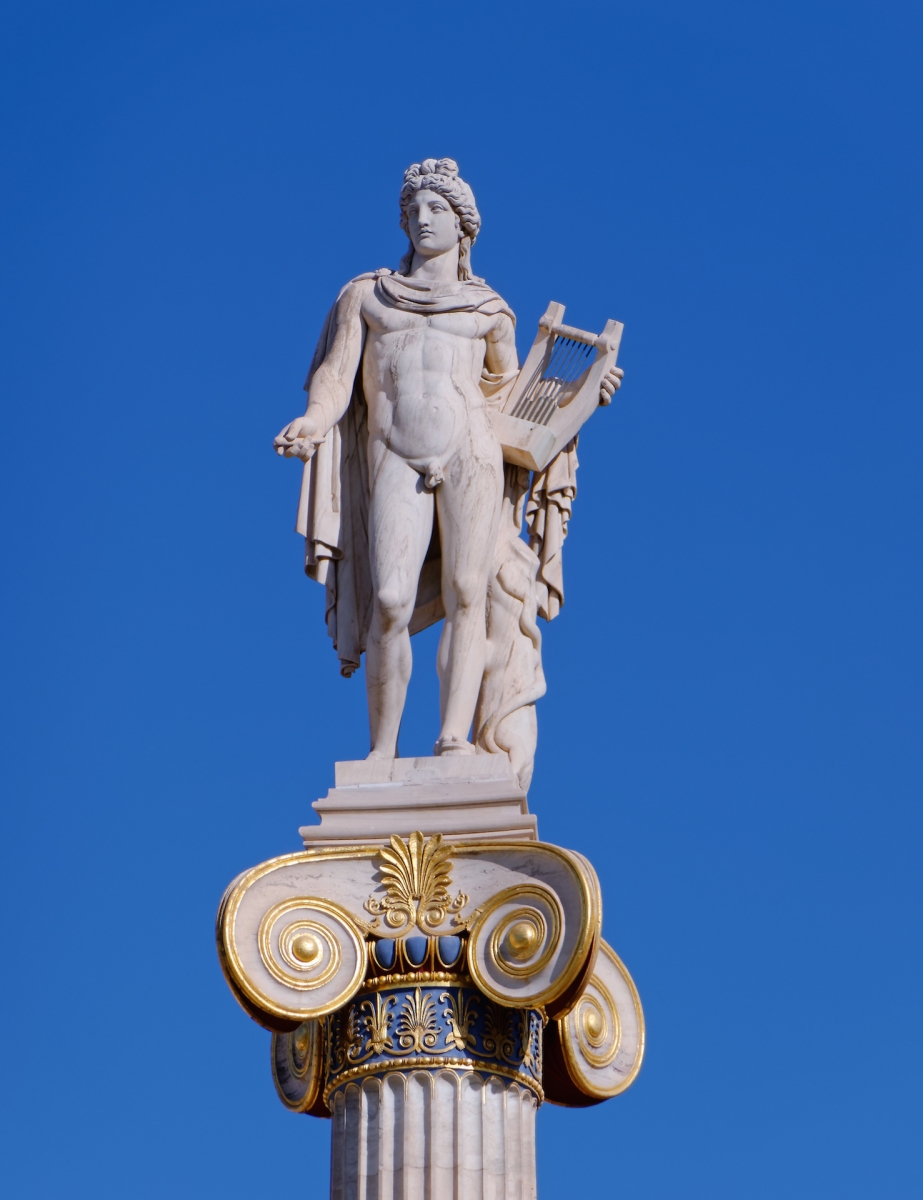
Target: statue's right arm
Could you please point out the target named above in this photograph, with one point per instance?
(332, 385)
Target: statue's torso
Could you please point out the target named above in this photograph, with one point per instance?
(421, 376)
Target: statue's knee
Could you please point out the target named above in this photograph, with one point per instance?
(394, 609)
(469, 591)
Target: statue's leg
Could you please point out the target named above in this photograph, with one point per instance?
(468, 504)
(400, 525)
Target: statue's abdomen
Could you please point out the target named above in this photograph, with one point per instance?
(422, 389)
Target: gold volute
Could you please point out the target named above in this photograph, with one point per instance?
(306, 948)
(521, 941)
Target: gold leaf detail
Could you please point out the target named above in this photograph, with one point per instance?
(377, 1019)
(416, 875)
(525, 1038)
(417, 1028)
(461, 1015)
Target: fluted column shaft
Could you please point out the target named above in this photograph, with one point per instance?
(433, 1135)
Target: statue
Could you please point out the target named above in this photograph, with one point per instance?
(408, 509)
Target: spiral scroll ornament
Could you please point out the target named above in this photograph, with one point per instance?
(602, 1038)
(298, 1068)
(515, 947)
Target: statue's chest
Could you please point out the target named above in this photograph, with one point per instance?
(383, 321)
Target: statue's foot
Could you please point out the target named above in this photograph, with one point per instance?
(450, 745)
(380, 754)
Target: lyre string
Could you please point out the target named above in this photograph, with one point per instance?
(562, 367)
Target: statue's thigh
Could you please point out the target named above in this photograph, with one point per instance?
(468, 504)
(400, 523)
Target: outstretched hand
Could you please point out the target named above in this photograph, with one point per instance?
(611, 382)
(299, 439)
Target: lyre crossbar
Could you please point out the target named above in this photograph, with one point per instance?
(557, 389)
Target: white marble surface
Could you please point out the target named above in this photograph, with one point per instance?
(433, 1136)
(463, 797)
(461, 768)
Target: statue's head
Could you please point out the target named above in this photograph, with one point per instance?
(437, 210)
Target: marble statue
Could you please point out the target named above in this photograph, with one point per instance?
(408, 509)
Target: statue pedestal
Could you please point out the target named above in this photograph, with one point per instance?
(431, 973)
(469, 797)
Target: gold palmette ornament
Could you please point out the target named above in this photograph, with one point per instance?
(416, 874)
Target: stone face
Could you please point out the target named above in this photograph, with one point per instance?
(463, 797)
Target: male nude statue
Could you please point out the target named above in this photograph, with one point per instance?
(423, 341)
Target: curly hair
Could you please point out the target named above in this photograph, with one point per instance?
(441, 175)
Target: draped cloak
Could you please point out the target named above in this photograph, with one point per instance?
(333, 510)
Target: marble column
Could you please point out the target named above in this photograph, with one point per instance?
(431, 1048)
(433, 1135)
(432, 1087)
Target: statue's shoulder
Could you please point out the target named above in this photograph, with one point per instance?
(360, 286)
(367, 280)
(487, 301)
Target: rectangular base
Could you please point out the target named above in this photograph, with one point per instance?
(464, 797)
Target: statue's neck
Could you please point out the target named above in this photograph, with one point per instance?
(439, 268)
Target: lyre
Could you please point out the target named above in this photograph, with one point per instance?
(556, 391)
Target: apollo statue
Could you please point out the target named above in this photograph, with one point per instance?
(413, 506)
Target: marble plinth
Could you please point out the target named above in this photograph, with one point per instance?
(464, 797)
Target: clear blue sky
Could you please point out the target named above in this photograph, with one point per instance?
(732, 730)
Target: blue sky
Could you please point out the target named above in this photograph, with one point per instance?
(732, 728)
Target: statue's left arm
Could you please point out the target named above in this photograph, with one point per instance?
(501, 357)
(501, 363)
